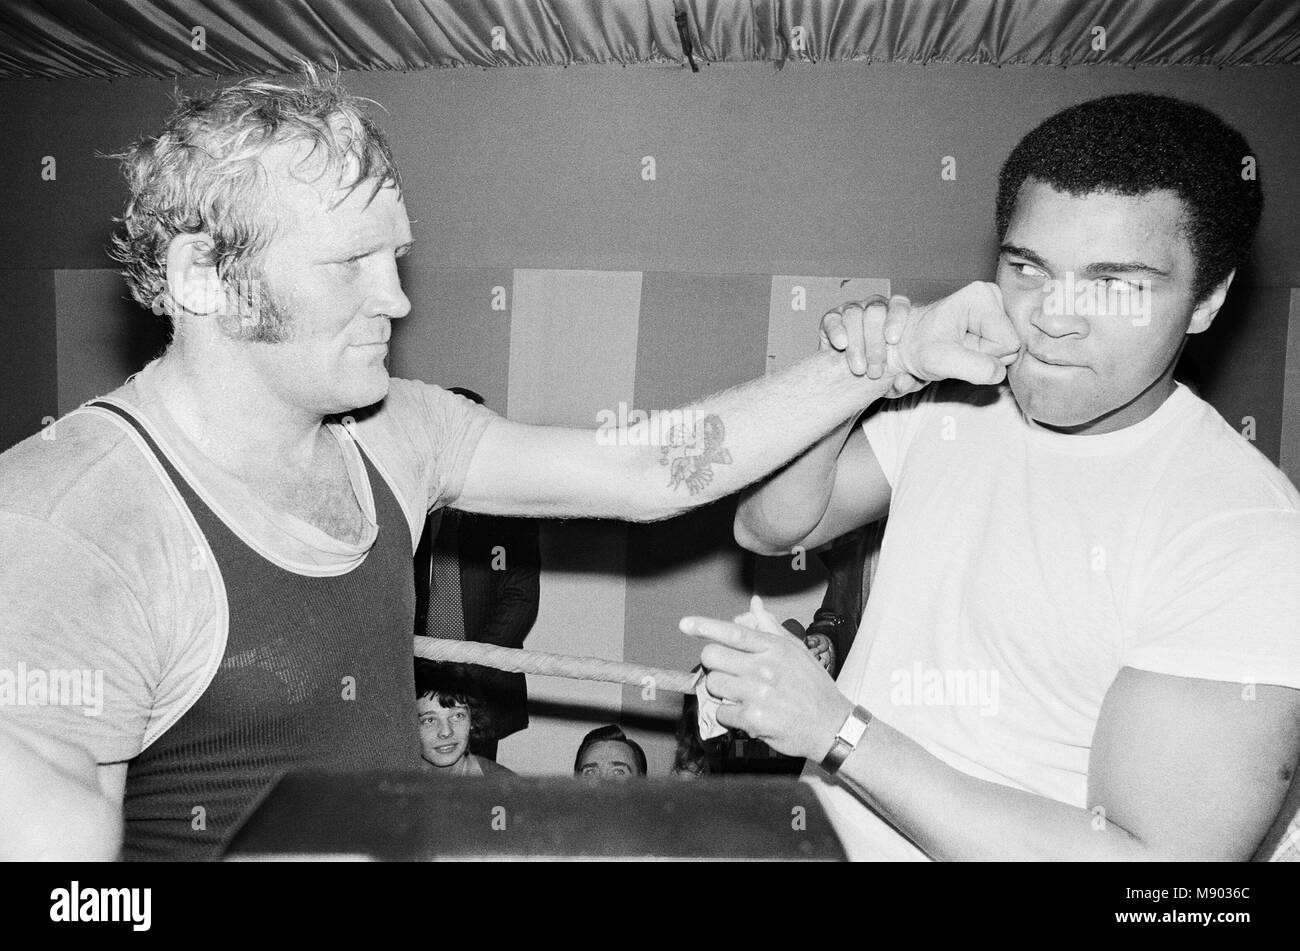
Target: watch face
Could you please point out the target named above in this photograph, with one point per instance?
(846, 741)
(855, 726)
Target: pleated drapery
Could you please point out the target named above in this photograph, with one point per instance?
(111, 38)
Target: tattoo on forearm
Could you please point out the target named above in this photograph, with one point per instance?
(692, 451)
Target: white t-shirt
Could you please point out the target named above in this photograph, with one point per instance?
(1021, 569)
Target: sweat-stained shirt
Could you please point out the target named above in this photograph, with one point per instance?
(102, 568)
(1022, 569)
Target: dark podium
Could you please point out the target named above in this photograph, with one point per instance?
(401, 816)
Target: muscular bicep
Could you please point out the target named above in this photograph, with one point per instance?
(1195, 769)
(859, 495)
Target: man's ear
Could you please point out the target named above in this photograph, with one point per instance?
(192, 281)
(1208, 309)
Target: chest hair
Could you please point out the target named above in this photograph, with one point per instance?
(322, 497)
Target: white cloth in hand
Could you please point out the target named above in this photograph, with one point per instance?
(757, 617)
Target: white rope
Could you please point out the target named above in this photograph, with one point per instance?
(554, 665)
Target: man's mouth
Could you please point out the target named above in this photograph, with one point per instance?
(1050, 361)
(381, 342)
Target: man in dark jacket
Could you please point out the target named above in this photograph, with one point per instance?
(476, 579)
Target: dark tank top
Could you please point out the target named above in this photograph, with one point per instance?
(317, 674)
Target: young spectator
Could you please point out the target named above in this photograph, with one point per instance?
(451, 716)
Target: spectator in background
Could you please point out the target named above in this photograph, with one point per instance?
(476, 579)
(451, 716)
(609, 753)
(821, 646)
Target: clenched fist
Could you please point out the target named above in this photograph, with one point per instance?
(966, 336)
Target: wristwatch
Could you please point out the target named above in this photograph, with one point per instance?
(847, 740)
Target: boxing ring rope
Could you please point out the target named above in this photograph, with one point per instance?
(554, 665)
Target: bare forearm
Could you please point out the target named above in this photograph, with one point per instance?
(667, 462)
(778, 513)
(954, 816)
(744, 433)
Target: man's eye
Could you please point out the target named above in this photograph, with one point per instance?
(1025, 269)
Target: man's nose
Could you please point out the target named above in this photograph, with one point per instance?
(444, 728)
(1058, 317)
(388, 298)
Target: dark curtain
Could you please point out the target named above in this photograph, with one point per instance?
(108, 38)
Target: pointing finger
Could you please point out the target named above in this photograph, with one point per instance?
(724, 632)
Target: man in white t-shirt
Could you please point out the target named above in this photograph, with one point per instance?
(1083, 638)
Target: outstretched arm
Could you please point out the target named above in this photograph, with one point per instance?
(662, 465)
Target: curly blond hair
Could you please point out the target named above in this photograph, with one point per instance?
(205, 173)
